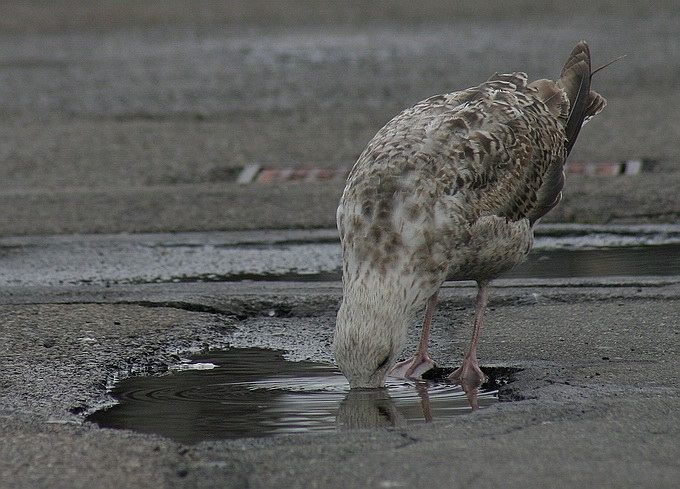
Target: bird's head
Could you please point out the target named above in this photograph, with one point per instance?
(368, 339)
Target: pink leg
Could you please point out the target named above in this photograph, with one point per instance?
(469, 374)
(420, 362)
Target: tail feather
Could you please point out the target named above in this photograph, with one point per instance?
(583, 103)
(595, 103)
(575, 81)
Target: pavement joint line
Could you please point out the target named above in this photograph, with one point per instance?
(259, 173)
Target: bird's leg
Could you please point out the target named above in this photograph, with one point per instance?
(469, 375)
(420, 362)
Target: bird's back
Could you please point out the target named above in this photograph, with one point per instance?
(455, 182)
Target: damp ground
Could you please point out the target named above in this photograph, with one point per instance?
(560, 251)
(595, 404)
(253, 389)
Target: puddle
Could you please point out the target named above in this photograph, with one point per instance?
(560, 251)
(625, 261)
(254, 392)
(629, 261)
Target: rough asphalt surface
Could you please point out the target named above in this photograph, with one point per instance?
(595, 406)
(135, 116)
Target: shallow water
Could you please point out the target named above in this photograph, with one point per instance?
(624, 261)
(659, 260)
(559, 252)
(249, 392)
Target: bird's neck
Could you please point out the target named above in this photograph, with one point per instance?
(390, 296)
(372, 322)
(372, 313)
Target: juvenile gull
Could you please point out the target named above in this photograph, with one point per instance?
(450, 189)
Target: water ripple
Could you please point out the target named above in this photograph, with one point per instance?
(256, 392)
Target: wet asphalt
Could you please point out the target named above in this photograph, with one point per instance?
(121, 118)
(595, 404)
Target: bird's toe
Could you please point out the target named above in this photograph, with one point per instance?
(413, 368)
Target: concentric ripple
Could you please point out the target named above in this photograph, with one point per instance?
(256, 392)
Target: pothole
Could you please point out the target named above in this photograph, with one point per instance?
(255, 392)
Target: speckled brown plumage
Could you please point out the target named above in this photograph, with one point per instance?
(450, 188)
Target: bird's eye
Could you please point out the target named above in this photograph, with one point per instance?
(383, 363)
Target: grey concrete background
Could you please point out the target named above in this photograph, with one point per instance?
(134, 116)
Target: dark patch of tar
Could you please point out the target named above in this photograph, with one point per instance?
(254, 392)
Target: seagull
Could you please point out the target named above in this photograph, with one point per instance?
(450, 189)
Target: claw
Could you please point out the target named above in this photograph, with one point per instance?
(468, 374)
(413, 368)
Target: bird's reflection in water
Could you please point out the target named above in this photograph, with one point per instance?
(421, 389)
(471, 392)
(376, 408)
(368, 408)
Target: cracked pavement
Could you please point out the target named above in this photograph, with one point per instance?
(596, 403)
